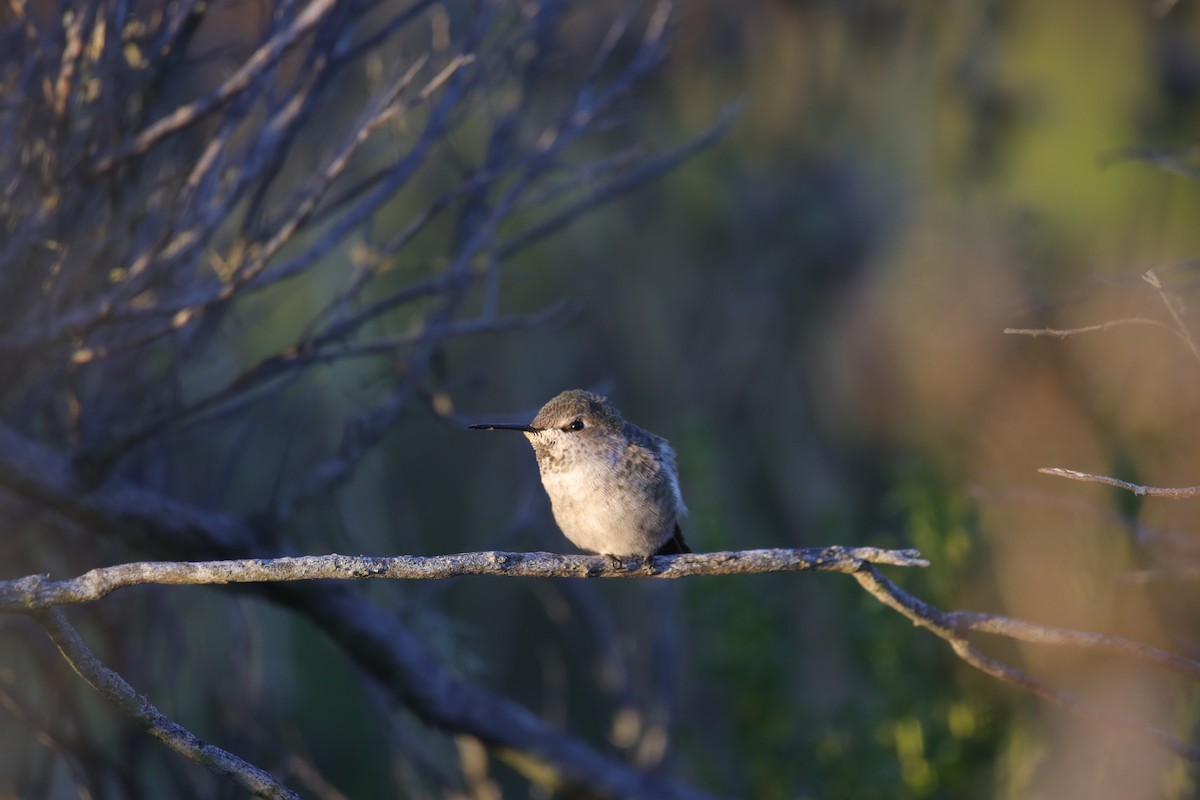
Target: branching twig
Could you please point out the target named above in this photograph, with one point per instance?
(183, 116)
(172, 734)
(953, 626)
(1151, 277)
(1173, 308)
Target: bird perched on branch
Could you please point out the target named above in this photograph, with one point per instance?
(613, 486)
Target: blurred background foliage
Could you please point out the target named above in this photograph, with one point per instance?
(812, 312)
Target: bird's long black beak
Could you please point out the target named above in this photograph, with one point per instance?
(504, 426)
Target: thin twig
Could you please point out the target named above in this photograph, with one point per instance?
(294, 358)
(622, 184)
(1173, 308)
(1148, 491)
(115, 689)
(1062, 333)
(1035, 633)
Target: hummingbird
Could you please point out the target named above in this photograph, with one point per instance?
(613, 486)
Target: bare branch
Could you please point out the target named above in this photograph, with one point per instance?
(190, 307)
(1149, 491)
(951, 626)
(299, 356)
(35, 592)
(117, 691)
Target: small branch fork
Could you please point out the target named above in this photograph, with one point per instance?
(1181, 331)
(41, 597)
(953, 626)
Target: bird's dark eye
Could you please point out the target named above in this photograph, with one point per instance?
(576, 425)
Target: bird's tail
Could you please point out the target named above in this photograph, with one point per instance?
(675, 545)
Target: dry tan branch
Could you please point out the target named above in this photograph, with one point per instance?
(116, 690)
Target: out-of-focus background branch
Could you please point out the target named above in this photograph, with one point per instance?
(259, 260)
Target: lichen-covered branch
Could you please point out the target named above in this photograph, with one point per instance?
(35, 592)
